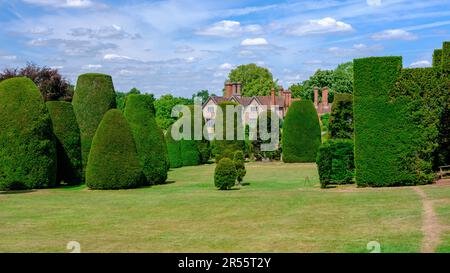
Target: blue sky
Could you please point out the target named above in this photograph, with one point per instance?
(182, 46)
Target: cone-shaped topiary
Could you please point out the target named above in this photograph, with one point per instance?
(239, 163)
(225, 174)
(173, 150)
(93, 97)
(150, 142)
(27, 145)
(68, 144)
(113, 161)
(301, 134)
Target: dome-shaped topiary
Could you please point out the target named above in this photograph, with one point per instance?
(27, 145)
(68, 144)
(225, 174)
(150, 142)
(301, 133)
(113, 161)
(173, 150)
(94, 96)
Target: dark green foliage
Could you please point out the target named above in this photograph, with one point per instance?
(341, 118)
(301, 133)
(113, 161)
(239, 163)
(204, 148)
(27, 145)
(335, 162)
(225, 174)
(68, 143)
(256, 80)
(424, 93)
(446, 58)
(94, 96)
(258, 154)
(164, 106)
(437, 58)
(173, 149)
(149, 138)
(384, 137)
(227, 148)
(190, 154)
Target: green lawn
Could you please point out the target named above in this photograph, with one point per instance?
(281, 210)
(441, 197)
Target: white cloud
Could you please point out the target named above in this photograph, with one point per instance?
(420, 64)
(58, 67)
(321, 26)
(394, 34)
(356, 50)
(8, 57)
(108, 32)
(112, 57)
(226, 66)
(228, 28)
(254, 42)
(374, 3)
(64, 3)
(92, 66)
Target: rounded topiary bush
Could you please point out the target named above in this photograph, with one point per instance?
(68, 144)
(239, 163)
(113, 161)
(94, 96)
(173, 150)
(301, 133)
(150, 142)
(27, 145)
(225, 174)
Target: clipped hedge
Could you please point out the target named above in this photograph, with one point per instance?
(227, 148)
(446, 58)
(437, 58)
(275, 153)
(68, 143)
(27, 145)
(301, 133)
(149, 138)
(173, 150)
(225, 174)
(94, 96)
(113, 161)
(335, 162)
(190, 154)
(340, 123)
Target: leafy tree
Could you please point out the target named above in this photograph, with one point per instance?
(203, 94)
(239, 163)
(163, 107)
(49, 82)
(256, 81)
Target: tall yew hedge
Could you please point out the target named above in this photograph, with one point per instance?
(113, 161)
(301, 133)
(173, 150)
(149, 138)
(94, 96)
(68, 144)
(27, 145)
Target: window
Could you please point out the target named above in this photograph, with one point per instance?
(210, 109)
(254, 108)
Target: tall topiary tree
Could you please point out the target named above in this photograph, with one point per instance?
(239, 163)
(94, 96)
(68, 144)
(227, 148)
(150, 142)
(113, 161)
(301, 133)
(340, 124)
(173, 149)
(27, 145)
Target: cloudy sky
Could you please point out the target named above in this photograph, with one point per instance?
(182, 46)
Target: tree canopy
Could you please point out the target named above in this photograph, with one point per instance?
(164, 106)
(256, 80)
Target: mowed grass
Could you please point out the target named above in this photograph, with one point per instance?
(441, 197)
(282, 209)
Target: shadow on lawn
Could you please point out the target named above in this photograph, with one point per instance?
(16, 191)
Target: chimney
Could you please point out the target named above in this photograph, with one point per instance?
(228, 89)
(325, 97)
(316, 96)
(234, 88)
(238, 88)
(289, 98)
(272, 95)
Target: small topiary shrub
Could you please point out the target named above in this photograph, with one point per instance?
(68, 144)
(239, 163)
(301, 133)
(173, 150)
(340, 124)
(113, 161)
(149, 139)
(225, 174)
(335, 162)
(93, 97)
(224, 147)
(27, 145)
